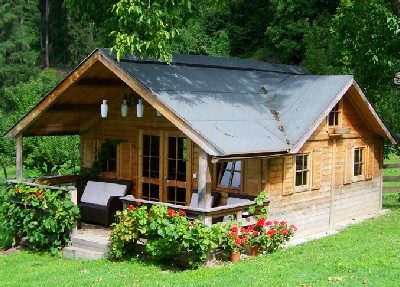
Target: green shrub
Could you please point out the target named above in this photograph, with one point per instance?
(167, 235)
(44, 217)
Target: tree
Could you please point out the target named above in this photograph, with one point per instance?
(18, 43)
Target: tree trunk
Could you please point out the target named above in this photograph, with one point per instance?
(4, 170)
(47, 62)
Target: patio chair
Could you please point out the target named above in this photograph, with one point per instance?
(100, 200)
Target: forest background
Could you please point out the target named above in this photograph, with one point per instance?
(42, 40)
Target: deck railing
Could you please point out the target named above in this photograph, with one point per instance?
(204, 214)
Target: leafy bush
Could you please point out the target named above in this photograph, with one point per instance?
(44, 217)
(167, 235)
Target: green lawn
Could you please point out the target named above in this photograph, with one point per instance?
(366, 254)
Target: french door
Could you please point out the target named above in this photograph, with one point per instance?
(164, 167)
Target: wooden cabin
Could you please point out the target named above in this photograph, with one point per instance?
(227, 125)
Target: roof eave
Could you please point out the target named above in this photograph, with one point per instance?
(42, 106)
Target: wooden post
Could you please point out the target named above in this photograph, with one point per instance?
(74, 198)
(18, 164)
(204, 184)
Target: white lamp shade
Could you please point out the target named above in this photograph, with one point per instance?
(124, 109)
(139, 108)
(104, 109)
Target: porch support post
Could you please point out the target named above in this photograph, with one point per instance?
(18, 164)
(204, 184)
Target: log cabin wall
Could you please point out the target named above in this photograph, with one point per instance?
(333, 194)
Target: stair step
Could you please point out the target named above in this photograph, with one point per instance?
(93, 243)
(74, 252)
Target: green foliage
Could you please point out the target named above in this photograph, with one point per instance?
(52, 155)
(18, 41)
(168, 235)
(45, 217)
(205, 32)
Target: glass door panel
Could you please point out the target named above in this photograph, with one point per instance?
(150, 173)
(176, 169)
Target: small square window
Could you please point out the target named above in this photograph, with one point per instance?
(333, 118)
(358, 161)
(302, 170)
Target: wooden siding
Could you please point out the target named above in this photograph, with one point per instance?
(333, 194)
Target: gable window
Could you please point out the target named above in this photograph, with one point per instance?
(358, 161)
(333, 118)
(229, 175)
(302, 171)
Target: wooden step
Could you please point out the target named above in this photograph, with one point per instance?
(74, 252)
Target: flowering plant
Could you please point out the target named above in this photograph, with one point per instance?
(234, 241)
(44, 217)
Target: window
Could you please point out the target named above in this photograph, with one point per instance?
(110, 163)
(229, 175)
(358, 161)
(302, 170)
(333, 118)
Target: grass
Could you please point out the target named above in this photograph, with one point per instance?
(364, 254)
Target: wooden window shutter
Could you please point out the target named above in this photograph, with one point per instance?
(316, 169)
(125, 159)
(369, 162)
(88, 152)
(288, 175)
(349, 165)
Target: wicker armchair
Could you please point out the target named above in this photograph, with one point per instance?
(100, 200)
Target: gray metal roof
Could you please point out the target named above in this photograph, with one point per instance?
(239, 106)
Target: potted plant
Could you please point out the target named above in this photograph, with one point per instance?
(233, 243)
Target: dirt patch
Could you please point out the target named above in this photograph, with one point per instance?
(4, 252)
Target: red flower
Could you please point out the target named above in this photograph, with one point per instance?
(283, 222)
(284, 231)
(38, 192)
(234, 229)
(276, 222)
(293, 227)
(40, 196)
(182, 212)
(255, 233)
(170, 212)
(238, 241)
(138, 203)
(271, 232)
(268, 223)
(261, 222)
(131, 207)
(250, 228)
(232, 234)
(243, 229)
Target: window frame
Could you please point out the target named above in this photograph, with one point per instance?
(219, 173)
(338, 116)
(304, 169)
(361, 169)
